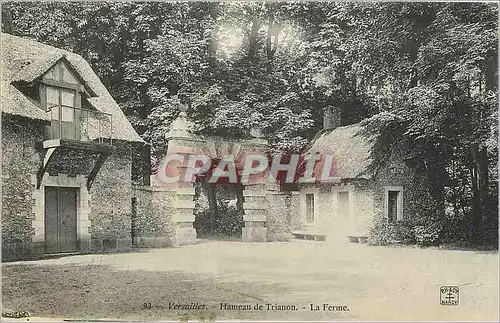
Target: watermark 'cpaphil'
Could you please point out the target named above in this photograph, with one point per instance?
(291, 168)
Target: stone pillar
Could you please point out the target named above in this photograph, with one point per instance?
(182, 208)
(255, 195)
(183, 216)
(255, 216)
(278, 223)
(182, 141)
(84, 238)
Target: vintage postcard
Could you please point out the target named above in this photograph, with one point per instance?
(249, 161)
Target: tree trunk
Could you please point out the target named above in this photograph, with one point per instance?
(212, 202)
(454, 191)
(439, 195)
(476, 214)
(238, 188)
(413, 81)
(483, 180)
(254, 39)
(273, 31)
(490, 73)
(7, 26)
(270, 27)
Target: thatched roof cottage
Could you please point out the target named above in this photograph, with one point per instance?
(66, 155)
(348, 209)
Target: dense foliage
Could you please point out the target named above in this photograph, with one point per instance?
(422, 75)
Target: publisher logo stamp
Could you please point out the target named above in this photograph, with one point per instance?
(449, 295)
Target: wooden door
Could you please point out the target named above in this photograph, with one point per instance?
(60, 219)
(51, 220)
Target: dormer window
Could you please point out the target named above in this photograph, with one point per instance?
(60, 94)
(61, 73)
(76, 119)
(61, 107)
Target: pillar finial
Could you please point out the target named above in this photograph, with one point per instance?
(181, 106)
(179, 127)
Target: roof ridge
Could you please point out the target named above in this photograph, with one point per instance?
(28, 39)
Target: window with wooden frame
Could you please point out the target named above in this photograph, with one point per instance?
(309, 207)
(343, 205)
(60, 96)
(393, 203)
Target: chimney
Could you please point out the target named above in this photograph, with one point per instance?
(331, 118)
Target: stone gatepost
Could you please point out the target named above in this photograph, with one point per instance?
(181, 141)
(183, 216)
(278, 222)
(255, 195)
(255, 217)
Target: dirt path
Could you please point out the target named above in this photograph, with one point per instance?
(358, 281)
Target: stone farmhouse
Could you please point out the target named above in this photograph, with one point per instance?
(67, 182)
(348, 209)
(66, 155)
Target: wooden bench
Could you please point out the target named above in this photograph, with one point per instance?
(358, 239)
(309, 236)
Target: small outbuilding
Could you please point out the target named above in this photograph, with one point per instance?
(347, 209)
(66, 155)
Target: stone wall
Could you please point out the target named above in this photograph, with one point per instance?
(364, 208)
(295, 223)
(327, 216)
(158, 207)
(111, 202)
(109, 198)
(397, 173)
(154, 216)
(324, 208)
(19, 161)
(366, 198)
(279, 216)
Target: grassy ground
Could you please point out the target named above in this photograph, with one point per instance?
(373, 283)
